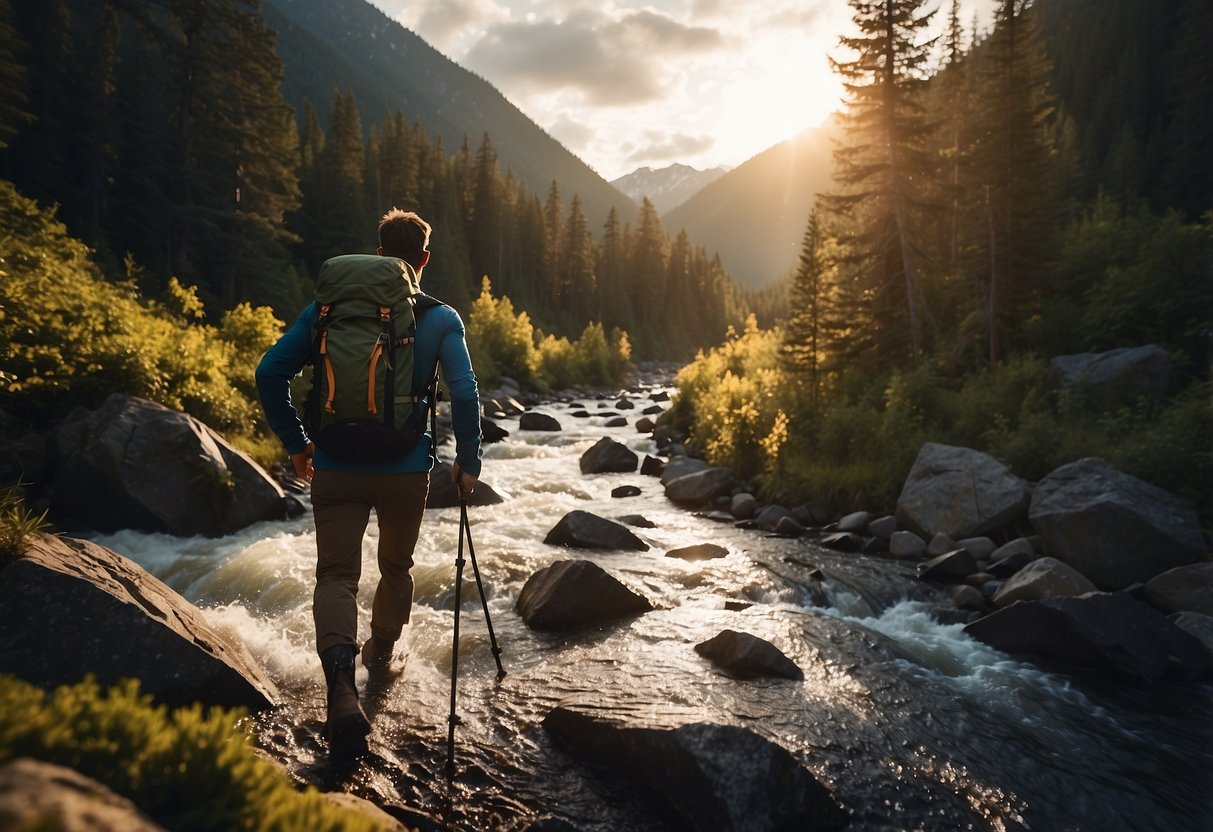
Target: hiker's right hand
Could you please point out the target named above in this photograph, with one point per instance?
(303, 462)
(464, 481)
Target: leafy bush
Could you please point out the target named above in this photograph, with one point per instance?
(502, 343)
(186, 769)
(68, 337)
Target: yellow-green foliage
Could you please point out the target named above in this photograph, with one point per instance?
(187, 769)
(729, 400)
(69, 337)
(588, 360)
(855, 449)
(502, 343)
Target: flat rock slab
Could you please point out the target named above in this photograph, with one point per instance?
(40, 795)
(700, 551)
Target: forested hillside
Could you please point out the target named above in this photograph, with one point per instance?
(162, 133)
(1040, 191)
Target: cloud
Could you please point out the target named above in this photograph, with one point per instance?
(449, 25)
(607, 61)
(666, 147)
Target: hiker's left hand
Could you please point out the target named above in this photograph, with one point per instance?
(303, 462)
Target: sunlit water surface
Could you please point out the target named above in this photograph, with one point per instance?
(912, 724)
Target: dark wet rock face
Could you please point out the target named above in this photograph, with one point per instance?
(444, 494)
(538, 421)
(135, 464)
(70, 607)
(704, 776)
(607, 456)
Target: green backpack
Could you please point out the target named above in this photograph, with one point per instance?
(366, 386)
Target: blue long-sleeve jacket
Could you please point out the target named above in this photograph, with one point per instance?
(440, 342)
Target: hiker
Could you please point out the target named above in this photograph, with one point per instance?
(354, 475)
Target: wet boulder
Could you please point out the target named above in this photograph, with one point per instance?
(571, 594)
(856, 521)
(444, 494)
(949, 568)
(583, 530)
(743, 506)
(1043, 578)
(680, 466)
(608, 456)
(843, 541)
(700, 551)
(1112, 527)
(748, 657)
(883, 527)
(135, 464)
(1183, 589)
(1109, 631)
(491, 432)
(704, 776)
(700, 487)
(538, 421)
(1196, 624)
(959, 492)
(652, 466)
(1120, 375)
(768, 517)
(40, 795)
(625, 491)
(788, 527)
(115, 621)
(645, 425)
(906, 544)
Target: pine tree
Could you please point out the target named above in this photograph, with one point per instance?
(484, 231)
(885, 166)
(577, 270)
(1014, 165)
(806, 330)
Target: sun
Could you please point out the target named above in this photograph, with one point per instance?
(783, 90)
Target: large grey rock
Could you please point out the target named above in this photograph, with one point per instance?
(1196, 624)
(680, 466)
(905, 544)
(959, 492)
(38, 795)
(1119, 375)
(856, 521)
(768, 517)
(608, 456)
(576, 593)
(538, 421)
(1101, 630)
(444, 494)
(1042, 578)
(707, 777)
(583, 530)
(1112, 527)
(743, 505)
(1183, 589)
(70, 607)
(135, 464)
(700, 487)
(748, 657)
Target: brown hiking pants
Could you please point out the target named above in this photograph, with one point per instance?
(342, 503)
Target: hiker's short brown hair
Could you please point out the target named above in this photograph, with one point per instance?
(405, 235)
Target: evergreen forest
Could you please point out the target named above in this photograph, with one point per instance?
(1001, 198)
(1004, 194)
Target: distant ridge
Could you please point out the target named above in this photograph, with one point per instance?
(350, 44)
(667, 187)
(755, 215)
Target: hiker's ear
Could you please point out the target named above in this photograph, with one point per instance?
(425, 258)
(379, 251)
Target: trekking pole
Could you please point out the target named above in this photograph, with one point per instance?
(465, 529)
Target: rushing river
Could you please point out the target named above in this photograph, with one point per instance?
(912, 724)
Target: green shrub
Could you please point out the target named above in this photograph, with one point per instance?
(589, 360)
(187, 769)
(69, 337)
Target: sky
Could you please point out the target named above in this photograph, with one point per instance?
(625, 84)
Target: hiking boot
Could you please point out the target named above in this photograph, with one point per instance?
(347, 726)
(377, 654)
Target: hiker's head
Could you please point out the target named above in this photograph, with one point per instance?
(405, 235)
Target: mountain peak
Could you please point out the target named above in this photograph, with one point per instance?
(667, 187)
